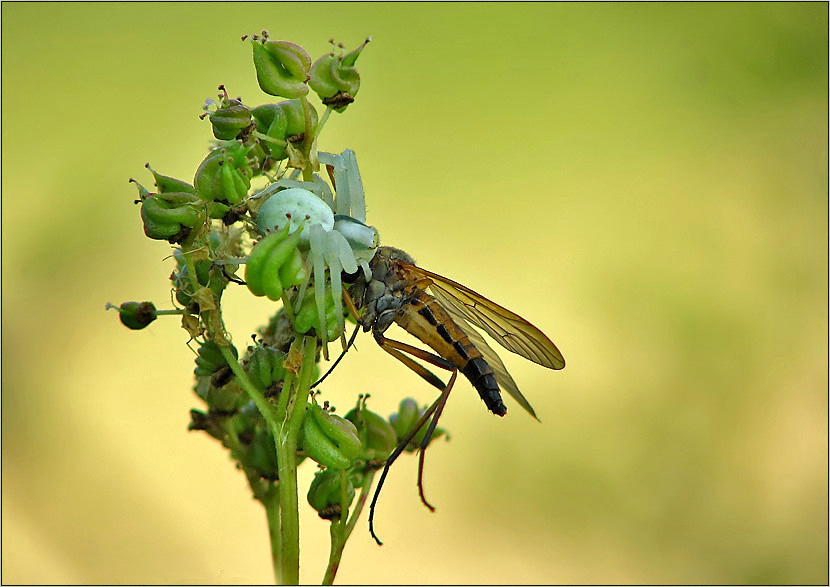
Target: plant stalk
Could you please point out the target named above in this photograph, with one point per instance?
(290, 412)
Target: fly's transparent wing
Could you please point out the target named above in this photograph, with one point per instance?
(500, 372)
(507, 328)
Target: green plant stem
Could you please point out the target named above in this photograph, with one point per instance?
(271, 501)
(290, 411)
(341, 530)
(264, 137)
(323, 121)
(169, 312)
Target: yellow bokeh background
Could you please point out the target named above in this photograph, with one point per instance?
(647, 183)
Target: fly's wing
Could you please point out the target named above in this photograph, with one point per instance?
(500, 372)
(508, 329)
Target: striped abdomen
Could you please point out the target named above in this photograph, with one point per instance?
(424, 318)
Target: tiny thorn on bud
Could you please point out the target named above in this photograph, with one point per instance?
(307, 217)
(244, 37)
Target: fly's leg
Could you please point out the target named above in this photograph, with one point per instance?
(340, 358)
(397, 349)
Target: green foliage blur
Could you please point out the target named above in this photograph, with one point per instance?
(647, 183)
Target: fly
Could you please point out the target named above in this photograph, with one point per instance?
(439, 312)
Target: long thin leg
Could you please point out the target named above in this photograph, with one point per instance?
(340, 358)
(441, 402)
(394, 348)
(356, 314)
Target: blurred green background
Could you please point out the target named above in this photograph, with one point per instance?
(647, 183)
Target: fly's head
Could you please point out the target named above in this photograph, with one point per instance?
(381, 296)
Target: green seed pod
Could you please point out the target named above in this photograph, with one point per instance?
(166, 184)
(306, 317)
(376, 434)
(277, 365)
(295, 270)
(281, 121)
(407, 417)
(158, 229)
(158, 210)
(221, 176)
(262, 455)
(205, 174)
(230, 119)
(335, 79)
(210, 358)
(271, 120)
(258, 370)
(291, 56)
(295, 117)
(265, 366)
(177, 199)
(321, 448)
(256, 260)
(272, 74)
(320, 78)
(136, 315)
(339, 430)
(325, 494)
(277, 257)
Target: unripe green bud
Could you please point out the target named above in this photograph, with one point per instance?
(221, 176)
(136, 315)
(158, 210)
(376, 434)
(281, 67)
(230, 119)
(307, 318)
(165, 183)
(281, 121)
(325, 494)
(335, 79)
(328, 439)
(210, 358)
(266, 366)
(262, 455)
(407, 417)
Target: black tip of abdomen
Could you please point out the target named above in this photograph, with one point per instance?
(481, 376)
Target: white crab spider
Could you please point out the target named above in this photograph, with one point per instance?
(335, 236)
